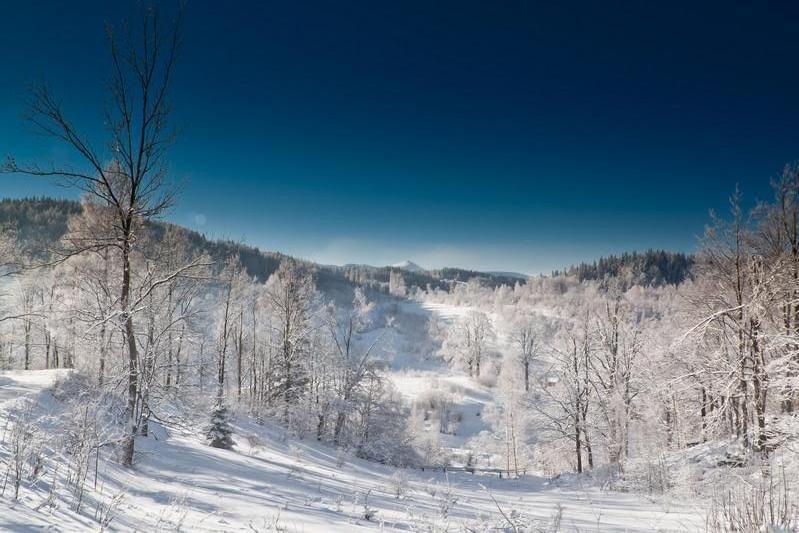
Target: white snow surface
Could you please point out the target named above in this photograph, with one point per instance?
(273, 482)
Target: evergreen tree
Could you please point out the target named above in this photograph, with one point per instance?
(219, 433)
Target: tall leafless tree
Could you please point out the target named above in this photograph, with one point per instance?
(129, 174)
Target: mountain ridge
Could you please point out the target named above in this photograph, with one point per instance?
(43, 220)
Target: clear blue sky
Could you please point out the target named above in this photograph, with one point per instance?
(494, 135)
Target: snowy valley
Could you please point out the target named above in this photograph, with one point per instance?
(274, 481)
(474, 286)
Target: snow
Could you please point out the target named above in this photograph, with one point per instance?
(272, 481)
(15, 385)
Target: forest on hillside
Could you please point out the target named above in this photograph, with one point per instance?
(619, 377)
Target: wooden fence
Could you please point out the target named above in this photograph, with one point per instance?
(501, 472)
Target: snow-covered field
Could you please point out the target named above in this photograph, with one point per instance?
(272, 482)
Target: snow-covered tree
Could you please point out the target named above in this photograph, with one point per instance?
(290, 299)
(468, 342)
(128, 181)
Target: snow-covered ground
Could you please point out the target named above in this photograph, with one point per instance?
(179, 482)
(272, 482)
(416, 376)
(19, 384)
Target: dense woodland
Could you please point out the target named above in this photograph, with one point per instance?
(653, 267)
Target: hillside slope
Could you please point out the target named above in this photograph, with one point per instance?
(274, 483)
(41, 222)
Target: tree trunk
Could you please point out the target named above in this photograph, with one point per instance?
(168, 380)
(526, 375)
(103, 343)
(133, 356)
(239, 350)
(760, 384)
(703, 413)
(27, 344)
(578, 448)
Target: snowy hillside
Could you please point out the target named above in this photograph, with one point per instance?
(156, 375)
(272, 481)
(280, 406)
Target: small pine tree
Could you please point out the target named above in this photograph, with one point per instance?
(219, 434)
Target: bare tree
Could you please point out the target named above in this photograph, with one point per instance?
(352, 361)
(525, 337)
(613, 372)
(468, 341)
(129, 175)
(777, 242)
(289, 296)
(566, 392)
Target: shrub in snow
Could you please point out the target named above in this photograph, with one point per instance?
(446, 500)
(106, 510)
(342, 456)
(254, 442)
(173, 516)
(399, 483)
(513, 520)
(368, 513)
(768, 505)
(651, 475)
(489, 377)
(436, 404)
(431, 489)
(20, 443)
(295, 451)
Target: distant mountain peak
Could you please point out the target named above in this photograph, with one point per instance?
(408, 265)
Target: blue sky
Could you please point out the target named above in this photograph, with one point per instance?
(517, 136)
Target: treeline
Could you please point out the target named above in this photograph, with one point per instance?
(41, 222)
(278, 349)
(37, 222)
(642, 355)
(442, 279)
(649, 268)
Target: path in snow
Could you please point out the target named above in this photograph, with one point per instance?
(19, 383)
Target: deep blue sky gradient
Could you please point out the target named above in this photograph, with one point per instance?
(494, 135)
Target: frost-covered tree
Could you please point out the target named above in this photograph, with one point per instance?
(130, 179)
(525, 336)
(613, 371)
(396, 283)
(290, 299)
(563, 403)
(351, 363)
(468, 342)
(729, 309)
